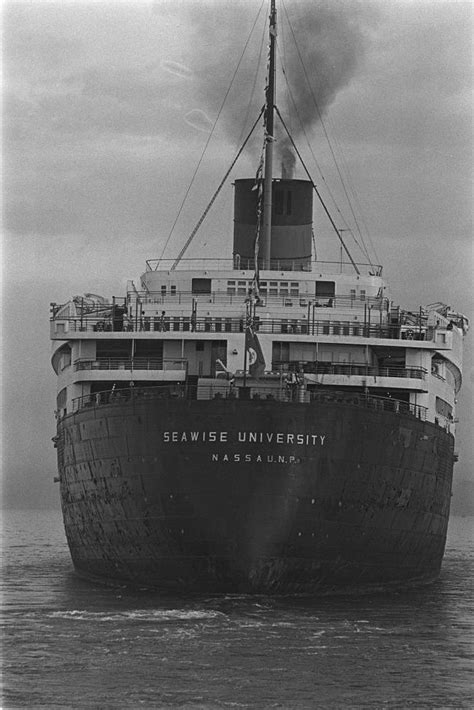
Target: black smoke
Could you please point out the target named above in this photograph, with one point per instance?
(320, 44)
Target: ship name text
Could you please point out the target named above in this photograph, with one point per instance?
(248, 437)
(254, 458)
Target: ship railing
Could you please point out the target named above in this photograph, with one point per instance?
(254, 392)
(120, 395)
(238, 296)
(245, 263)
(137, 363)
(215, 324)
(348, 369)
(374, 402)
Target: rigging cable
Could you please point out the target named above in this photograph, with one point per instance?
(349, 188)
(282, 52)
(252, 94)
(356, 201)
(317, 192)
(364, 251)
(219, 188)
(334, 201)
(303, 130)
(209, 138)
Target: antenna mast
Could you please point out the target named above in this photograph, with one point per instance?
(269, 138)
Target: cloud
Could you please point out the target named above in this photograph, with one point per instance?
(70, 100)
(199, 120)
(177, 69)
(136, 101)
(415, 87)
(90, 130)
(95, 187)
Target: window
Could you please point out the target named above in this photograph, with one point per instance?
(231, 287)
(173, 290)
(242, 287)
(280, 353)
(362, 294)
(65, 360)
(61, 398)
(444, 408)
(273, 288)
(353, 293)
(201, 285)
(284, 288)
(294, 288)
(325, 288)
(163, 290)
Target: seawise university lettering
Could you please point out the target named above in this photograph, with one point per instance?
(247, 437)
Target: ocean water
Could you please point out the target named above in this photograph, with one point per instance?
(68, 643)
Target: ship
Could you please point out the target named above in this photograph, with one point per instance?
(258, 423)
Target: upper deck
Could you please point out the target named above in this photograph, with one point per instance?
(241, 263)
(207, 299)
(334, 326)
(212, 296)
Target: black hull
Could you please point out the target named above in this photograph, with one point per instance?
(281, 498)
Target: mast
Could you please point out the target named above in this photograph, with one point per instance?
(269, 138)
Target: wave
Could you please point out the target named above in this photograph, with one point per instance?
(143, 615)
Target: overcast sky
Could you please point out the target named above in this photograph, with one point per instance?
(108, 106)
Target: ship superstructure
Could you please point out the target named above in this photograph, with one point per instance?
(266, 422)
(332, 329)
